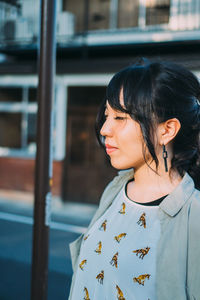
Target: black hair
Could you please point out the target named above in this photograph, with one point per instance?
(154, 92)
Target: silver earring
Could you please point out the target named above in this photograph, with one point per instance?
(165, 158)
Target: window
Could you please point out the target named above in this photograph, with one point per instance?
(89, 14)
(157, 11)
(18, 108)
(77, 8)
(10, 130)
(11, 94)
(128, 11)
(83, 106)
(99, 14)
(113, 14)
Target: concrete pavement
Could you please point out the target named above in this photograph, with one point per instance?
(22, 202)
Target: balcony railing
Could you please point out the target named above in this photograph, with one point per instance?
(102, 22)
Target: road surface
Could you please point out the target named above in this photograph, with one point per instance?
(16, 250)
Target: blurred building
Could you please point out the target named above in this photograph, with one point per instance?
(95, 38)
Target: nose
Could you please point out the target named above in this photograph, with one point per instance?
(106, 129)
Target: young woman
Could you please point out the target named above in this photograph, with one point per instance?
(144, 240)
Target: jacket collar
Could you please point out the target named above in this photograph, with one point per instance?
(174, 202)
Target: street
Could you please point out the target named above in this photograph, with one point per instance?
(16, 251)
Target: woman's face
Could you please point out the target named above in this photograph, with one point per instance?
(123, 139)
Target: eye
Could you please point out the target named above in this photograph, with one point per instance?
(119, 118)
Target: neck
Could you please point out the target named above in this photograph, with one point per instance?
(148, 185)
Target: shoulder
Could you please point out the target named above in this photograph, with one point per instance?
(194, 216)
(195, 207)
(194, 246)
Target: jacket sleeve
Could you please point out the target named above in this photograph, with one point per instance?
(193, 283)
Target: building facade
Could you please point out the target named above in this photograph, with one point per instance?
(95, 38)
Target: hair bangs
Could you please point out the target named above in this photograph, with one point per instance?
(135, 82)
(113, 92)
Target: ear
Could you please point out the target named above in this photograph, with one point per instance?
(168, 130)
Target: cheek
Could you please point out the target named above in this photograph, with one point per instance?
(131, 137)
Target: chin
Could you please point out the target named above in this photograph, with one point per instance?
(120, 165)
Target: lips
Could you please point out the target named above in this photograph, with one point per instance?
(110, 148)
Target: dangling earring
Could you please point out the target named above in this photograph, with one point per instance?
(165, 158)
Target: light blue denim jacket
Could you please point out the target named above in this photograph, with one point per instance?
(178, 256)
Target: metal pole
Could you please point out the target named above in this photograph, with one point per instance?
(85, 29)
(43, 168)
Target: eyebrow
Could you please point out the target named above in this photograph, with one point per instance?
(117, 110)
